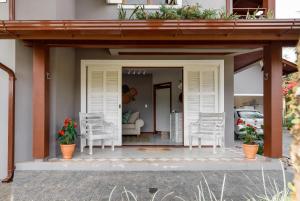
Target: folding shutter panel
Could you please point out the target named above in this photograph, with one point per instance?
(104, 94)
(209, 90)
(95, 90)
(112, 99)
(201, 94)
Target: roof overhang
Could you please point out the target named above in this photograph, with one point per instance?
(159, 30)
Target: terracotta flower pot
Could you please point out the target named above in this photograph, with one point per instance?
(250, 150)
(67, 150)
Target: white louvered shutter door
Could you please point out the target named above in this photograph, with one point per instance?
(104, 95)
(201, 94)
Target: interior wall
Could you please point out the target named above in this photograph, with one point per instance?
(173, 75)
(62, 90)
(143, 85)
(94, 54)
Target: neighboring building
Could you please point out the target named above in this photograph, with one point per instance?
(63, 52)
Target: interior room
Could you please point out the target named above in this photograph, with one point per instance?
(152, 106)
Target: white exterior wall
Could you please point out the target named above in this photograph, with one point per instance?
(287, 9)
(249, 81)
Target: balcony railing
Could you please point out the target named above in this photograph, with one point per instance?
(246, 13)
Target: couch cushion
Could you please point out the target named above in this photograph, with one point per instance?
(133, 117)
(125, 117)
(128, 126)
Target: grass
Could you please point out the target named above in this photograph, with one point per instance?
(205, 193)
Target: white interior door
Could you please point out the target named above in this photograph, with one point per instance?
(104, 94)
(201, 94)
(163, 109)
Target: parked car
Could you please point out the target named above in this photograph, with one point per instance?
(247, 116)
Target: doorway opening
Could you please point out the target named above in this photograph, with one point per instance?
(152, 106)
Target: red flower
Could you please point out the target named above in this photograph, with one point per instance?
(67, 120)
(75, 124)
(61, 132)
(248, 125)
(291, 85)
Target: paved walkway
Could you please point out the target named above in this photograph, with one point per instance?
(96, 186)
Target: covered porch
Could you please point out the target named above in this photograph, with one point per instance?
(212, 40)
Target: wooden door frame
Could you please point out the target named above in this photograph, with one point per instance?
(156, 87)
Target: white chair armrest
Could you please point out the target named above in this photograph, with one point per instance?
(139, 123)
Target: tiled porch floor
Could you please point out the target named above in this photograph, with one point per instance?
(159, 154)
(154, 159)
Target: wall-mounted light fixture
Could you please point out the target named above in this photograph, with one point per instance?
(3, 1)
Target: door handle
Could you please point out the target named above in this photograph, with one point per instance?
(120, 106)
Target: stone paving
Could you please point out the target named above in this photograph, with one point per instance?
(96, 186)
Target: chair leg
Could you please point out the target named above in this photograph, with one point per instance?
(112, 145)
(82, 144)
(199, 143)
(214, 145)
(90, 146)
(102, 143)
(223, 144)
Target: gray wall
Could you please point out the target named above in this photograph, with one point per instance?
(23, 128)
(62, 90)
(229, 101)
(45, 9)
(7, 57)
(143, 85)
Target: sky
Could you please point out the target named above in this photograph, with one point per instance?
(287, 9)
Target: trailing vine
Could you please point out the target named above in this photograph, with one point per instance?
(188, 12)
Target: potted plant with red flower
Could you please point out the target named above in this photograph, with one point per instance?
(66, 138)
(250, 147)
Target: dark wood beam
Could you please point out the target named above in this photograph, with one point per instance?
(40, 103)
(243, 60)
(11, 123)
(171, 30)
(269, 5)
(273, 100)
(12, 9)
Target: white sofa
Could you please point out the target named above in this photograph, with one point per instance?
(133, 127)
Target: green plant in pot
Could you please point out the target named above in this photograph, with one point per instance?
(66, 138)
(250, 147)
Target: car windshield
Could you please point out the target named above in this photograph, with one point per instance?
(250, 114)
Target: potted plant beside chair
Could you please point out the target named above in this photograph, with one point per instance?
(66, 138)
(250, 147)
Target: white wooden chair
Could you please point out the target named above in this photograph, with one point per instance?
(210, 126)
(94, 127)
